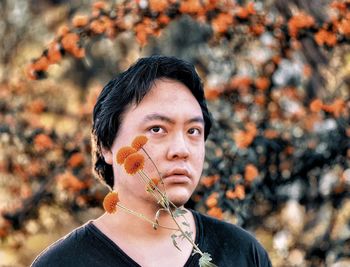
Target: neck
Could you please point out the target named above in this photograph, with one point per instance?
(134, 226)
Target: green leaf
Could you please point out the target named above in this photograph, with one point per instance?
(173, 237)
(178, 212)
(186, 224)
(205, 261)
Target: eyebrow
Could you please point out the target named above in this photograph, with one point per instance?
(160, 117)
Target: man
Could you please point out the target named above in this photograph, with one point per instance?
(163, 99)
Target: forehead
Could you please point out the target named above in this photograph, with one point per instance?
(170, 97)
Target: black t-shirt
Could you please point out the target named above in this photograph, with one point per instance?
(87, 246)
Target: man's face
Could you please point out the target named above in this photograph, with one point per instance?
(171, 118)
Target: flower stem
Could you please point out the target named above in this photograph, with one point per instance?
(143, 217)
(149, 157)
(144, 178)
(197, 249)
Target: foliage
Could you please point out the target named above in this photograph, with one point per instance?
(278, 157)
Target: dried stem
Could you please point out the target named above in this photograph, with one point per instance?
(143, 217)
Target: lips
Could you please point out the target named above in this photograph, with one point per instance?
(177, 175)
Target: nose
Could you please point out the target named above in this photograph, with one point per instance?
(178, 148)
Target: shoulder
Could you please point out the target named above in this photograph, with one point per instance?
(64, 249)
(224, 229)
(229, 240)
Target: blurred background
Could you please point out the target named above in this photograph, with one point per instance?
(277, 79)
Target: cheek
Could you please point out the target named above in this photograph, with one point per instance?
(201, 153)
(198, 158)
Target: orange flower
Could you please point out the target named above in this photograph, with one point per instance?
(158, 5)
(70, 182)
(230, 194)
(212, 200)
(80, 21)
(222, 22)
(344, 27)
(323, 37)
(163, 19)
(244, 12)
(69, 41)
(143, 30)
(124, 152)
(190, 6)
(251, 9)
(250, 173)
(244, 138)
(270, 133)
(338, 5)
(307, 70)
(99, 5)
(316, 105)
(76, 160)
(134, 163)
(78, 52)
(42, 142)
(216, 212)
(260, 99)
(212, 93)
(139, 142)
(336, 108)
(276, 59)
(97, 26)
(37, 106)
(241, 82)
(298, 22)
(257, 29)
(240, 191)
(209, 181)
(53, 53)
(110, 202)
(262, 83)
(41, 64)
(63, 30)
(5, 228)
(152, 184)
(70, 44)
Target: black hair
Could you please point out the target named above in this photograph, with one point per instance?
(129, 88)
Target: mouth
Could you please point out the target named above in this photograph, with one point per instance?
(177, 176)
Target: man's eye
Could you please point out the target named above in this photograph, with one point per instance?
(157, 129)
(194, 131)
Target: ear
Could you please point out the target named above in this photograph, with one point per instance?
(107, 155)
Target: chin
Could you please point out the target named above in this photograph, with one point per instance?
(178, 196)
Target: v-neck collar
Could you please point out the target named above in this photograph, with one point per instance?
(191, 261)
